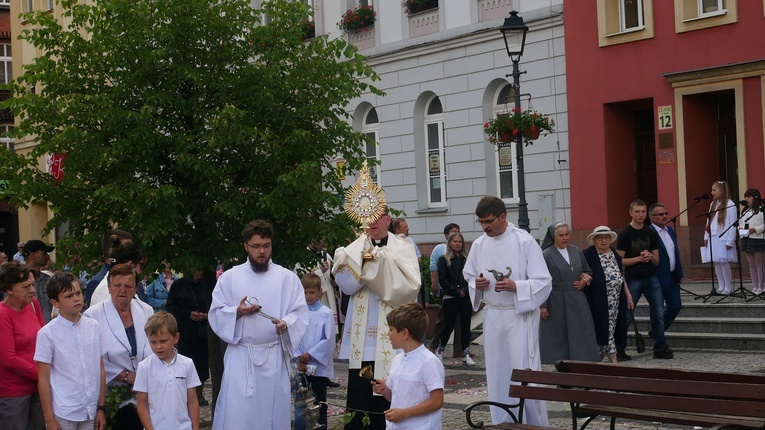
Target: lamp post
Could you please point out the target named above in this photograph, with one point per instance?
(514, 32)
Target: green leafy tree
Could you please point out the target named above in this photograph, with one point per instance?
(181, 120)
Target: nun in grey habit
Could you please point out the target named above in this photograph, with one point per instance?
(566, 330)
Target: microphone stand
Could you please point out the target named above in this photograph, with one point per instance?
(713, 292)
(673, 220)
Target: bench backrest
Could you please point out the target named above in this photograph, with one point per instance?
(704, 397)
(590, 368)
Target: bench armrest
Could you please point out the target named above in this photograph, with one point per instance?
(507, 408)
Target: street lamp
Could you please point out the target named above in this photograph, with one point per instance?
(514, 32)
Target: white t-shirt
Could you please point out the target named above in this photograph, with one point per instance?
(74, 352)
(167, 385)
(413, 375)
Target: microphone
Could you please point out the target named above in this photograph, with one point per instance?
(743, 203)
(701, 197)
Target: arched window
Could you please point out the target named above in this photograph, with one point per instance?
(434, 138)
(371, 129)
(507, 172)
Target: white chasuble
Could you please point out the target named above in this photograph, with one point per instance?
(255, 389)
(376, 286)
(511, 322)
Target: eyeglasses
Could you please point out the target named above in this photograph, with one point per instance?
(602, 237)
(265, 247)
(660, 214)
(486, 221)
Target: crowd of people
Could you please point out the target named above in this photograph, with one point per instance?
(120, 353)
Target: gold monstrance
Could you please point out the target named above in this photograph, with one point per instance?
(364, 200)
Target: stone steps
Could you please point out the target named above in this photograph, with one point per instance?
(722, 323)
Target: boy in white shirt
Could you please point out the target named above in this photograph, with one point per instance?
(415, 387)
(317, 348)
(165, 382)
(70, 370)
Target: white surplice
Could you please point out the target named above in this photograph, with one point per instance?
(255, 390)
(375, 286)
(511, 320)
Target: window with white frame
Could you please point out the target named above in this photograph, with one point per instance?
(365, 3)
(434, 138)
(5, 140)
(27, 5)
(5, 2)
(507, 173)
(691, 15)
(51, 3)
(6, 69)
(371, 129)
(706, 7)
(630, 14)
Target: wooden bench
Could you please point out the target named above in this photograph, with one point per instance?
(708, 399)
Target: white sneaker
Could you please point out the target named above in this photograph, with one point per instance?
(468, 360)
(440, 354)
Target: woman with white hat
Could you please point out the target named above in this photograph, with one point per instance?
(607, 290)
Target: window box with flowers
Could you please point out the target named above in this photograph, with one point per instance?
(504, 128)
(354, 20)
(309, 29)
(415, 6)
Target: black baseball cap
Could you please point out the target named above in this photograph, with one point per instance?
(37, 245)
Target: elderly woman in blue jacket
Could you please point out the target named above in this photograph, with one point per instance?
(158, 290)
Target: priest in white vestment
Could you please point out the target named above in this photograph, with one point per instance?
(511, 318)
(255, 390)
(375, 286)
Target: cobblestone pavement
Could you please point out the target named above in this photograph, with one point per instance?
(465, 385)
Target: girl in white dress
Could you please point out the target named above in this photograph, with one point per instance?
(753, 245)
(723, 245)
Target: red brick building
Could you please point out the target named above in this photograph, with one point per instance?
(664, 98)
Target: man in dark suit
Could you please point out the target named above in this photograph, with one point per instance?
(669, 270)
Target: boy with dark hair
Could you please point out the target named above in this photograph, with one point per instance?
(315, 352)
(165, 382)
(70, 369)
(415, 386)
(638, 245)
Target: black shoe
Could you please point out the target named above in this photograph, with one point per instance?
(622, 356)
(332, 384)
(664, 354)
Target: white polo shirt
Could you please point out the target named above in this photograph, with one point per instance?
(167, 385)
(74, 352)
(413, 375)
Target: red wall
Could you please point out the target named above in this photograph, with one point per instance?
(633, 71)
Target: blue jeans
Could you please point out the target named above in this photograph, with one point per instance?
(672, 302)
(651, 288)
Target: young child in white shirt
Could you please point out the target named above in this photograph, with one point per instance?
(415, 386)
(70, 370)
(316, 349)
(165, 382)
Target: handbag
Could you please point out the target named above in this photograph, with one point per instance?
(639, 341)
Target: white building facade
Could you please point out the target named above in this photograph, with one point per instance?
(443, 71)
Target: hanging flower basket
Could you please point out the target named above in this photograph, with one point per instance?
(504, 128)
(354, 20)
(415, 6)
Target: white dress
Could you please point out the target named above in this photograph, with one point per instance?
(511, 320)
(718, 240)
(255, 390)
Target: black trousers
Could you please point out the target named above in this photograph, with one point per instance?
(463, 307)
(361, 397)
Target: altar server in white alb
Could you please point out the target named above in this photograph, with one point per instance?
(506, 270)
(255, 390)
